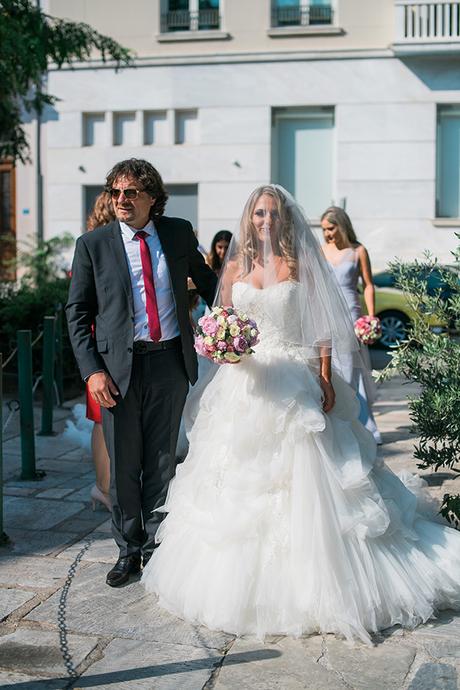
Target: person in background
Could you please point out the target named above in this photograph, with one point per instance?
(350, 262)
(101, 214)
(219, 247)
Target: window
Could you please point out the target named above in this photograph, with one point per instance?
(7, 221)
(190, 15)
(156, 128)
(94, 129)
(124, 129)
(186, 127)
(183, 202)
(90, 193)
(301, 12)
(302, 155)
(448, 162)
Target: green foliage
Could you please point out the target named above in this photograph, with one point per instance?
(41, 291)
(42, 260)
(29, 41)
(431, 357)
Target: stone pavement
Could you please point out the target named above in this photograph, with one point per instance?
(119, 639)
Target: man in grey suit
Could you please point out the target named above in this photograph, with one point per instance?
(130, 331)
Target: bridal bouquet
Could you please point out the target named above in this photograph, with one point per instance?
(368, 329)
(225, 335)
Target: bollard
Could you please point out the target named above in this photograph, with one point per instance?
(49, 334)
(3, 538)
(26, 408)
(59, 369)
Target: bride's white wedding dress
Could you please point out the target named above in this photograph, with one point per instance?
(281, 519)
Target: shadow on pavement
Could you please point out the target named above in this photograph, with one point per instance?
(143, 673)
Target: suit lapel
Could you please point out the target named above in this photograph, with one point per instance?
(169, 246)
(121, 262)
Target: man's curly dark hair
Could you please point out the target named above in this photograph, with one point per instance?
(148, 178)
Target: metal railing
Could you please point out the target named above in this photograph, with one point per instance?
(184, 20)
(302, 15)
(419, 21)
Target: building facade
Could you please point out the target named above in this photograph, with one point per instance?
(352, 102)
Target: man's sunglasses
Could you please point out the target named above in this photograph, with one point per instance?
(129, 192)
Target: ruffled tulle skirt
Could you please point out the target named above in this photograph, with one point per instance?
(282, 521)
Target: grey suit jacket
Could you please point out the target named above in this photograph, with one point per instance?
(100, 312)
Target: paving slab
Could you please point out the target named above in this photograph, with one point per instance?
(435, 677)
(56, 493)
(37, 543)
(83, 522)
(66, 466)
(106, 526)
(83, 493)
(130, 665)
(53, 446)
(21, 681)
(12, 599)
(362, 667)
(36, 513)
(32, 572)
(49, 481)
(94, 608)
(103, 549)
(13, 490)
(285, 665)
(37, 651)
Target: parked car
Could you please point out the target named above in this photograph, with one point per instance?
(393, 309)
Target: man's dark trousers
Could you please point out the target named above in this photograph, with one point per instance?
(141, 436)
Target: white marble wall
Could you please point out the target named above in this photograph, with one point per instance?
(384, 141)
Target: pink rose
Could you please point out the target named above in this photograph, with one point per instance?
(210, 326)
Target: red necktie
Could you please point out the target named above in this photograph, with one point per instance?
(150, 294)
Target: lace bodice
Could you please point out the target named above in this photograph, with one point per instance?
(276, 310)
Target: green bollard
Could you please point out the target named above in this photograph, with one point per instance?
(49, 335)
(26, 408)
(59, 368)
(3, 538)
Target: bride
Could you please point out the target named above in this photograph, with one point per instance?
(281, 519)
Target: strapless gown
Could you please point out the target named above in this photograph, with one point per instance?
(281, 520)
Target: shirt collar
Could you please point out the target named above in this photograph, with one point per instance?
(129, 232)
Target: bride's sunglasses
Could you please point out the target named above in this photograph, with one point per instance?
(129, 192)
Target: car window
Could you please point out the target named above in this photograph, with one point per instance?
(384, 279)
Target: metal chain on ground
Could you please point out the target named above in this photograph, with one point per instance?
(61, 616)
(13, 407)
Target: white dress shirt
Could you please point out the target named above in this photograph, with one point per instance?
(161, 278)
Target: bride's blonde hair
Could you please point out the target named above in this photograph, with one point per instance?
(283, 244)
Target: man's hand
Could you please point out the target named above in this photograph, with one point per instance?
(102, 388)
(328, 394)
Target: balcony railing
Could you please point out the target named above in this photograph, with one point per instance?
(183, 20)
(419, 21)
(304, 15)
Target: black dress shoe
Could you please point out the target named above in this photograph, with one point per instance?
(123, 568)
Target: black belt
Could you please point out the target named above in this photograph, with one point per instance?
(142, 347)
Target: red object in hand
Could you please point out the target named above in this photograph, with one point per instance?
(151, 297)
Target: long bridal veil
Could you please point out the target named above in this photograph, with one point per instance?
(274, 244)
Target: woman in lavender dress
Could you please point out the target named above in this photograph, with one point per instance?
(350, 262)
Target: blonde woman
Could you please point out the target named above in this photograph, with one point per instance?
(350, 262)
(280, 521)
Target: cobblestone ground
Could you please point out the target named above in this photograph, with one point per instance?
(120, 639)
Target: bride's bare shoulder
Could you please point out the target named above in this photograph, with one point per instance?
(233, 269)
